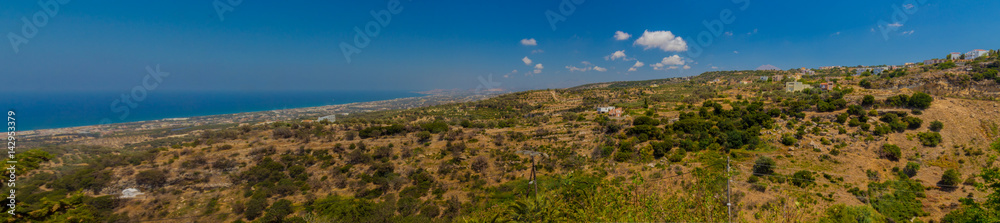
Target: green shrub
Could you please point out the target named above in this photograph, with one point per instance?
(255, 206)
(911, 169)
(890, 151)
(930, 139)
(803, 179)
(936, 126)
(920, 100)
(868, 100)
(763, 166)
(842, 213)
(951, 178)
(788, 140)
(151, 178)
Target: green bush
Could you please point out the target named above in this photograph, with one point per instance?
(763, 166)
(890, 151)
(936, 126)
(868, 100)
(911, 169)
(788, 140)
(951, 178)
(842, 213)
(278, 211)
(151, 178)
(930, 139)
(255, 206)
(920, 100)
(803, 179)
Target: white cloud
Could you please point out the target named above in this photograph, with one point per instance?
(664, 40)
(729, 33)
(601, 69)
(896, 25)
(619, 35)
(638, 64)
(907, 32)
(526, 61)
(751, 33)
(736, 52)
(715, 68)
(529, 42)
(687, 67)
(508, 74)
(631, 69)
(538, 71)
(537, 51)
(671, 62)
(909, 6)
(539, 66)
(616, 55)
(574, 69)
(836, 33)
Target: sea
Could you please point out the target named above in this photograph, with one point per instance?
(47, 110)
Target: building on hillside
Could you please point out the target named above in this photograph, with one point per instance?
(330, 118)
(746, 82)
(976, 54)
(859, 71)
(909, 64)
(778, 77)
(826, 86)
(617, 112)
(955, 55)
(806, 71)
(795, 86)
(879, 70)
(605, 109)
(763, 78)
(934, 61)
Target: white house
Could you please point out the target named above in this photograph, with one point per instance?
(605, 109)
(763, 78)
(859, 71)
(331, 118)
(976, 54)
(795, 86)
(955, 55)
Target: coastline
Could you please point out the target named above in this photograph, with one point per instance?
(427, 99)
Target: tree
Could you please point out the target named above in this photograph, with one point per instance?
(645, 120)
(278, 211)
(920, 100)
(763, 166)
(803, 179)
(951, 178)
(890, 152)
(911, 169)
(788, 139)
(868, 100)
(936, 126)
(151, 178)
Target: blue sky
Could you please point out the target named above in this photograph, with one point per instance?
(296, 45)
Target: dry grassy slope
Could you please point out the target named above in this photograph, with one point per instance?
(962, 119)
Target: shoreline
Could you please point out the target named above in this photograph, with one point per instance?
(426, 99)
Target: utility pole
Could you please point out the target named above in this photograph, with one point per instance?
(533, 180)
(729, 201)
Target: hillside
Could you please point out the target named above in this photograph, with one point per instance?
(870, 148)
